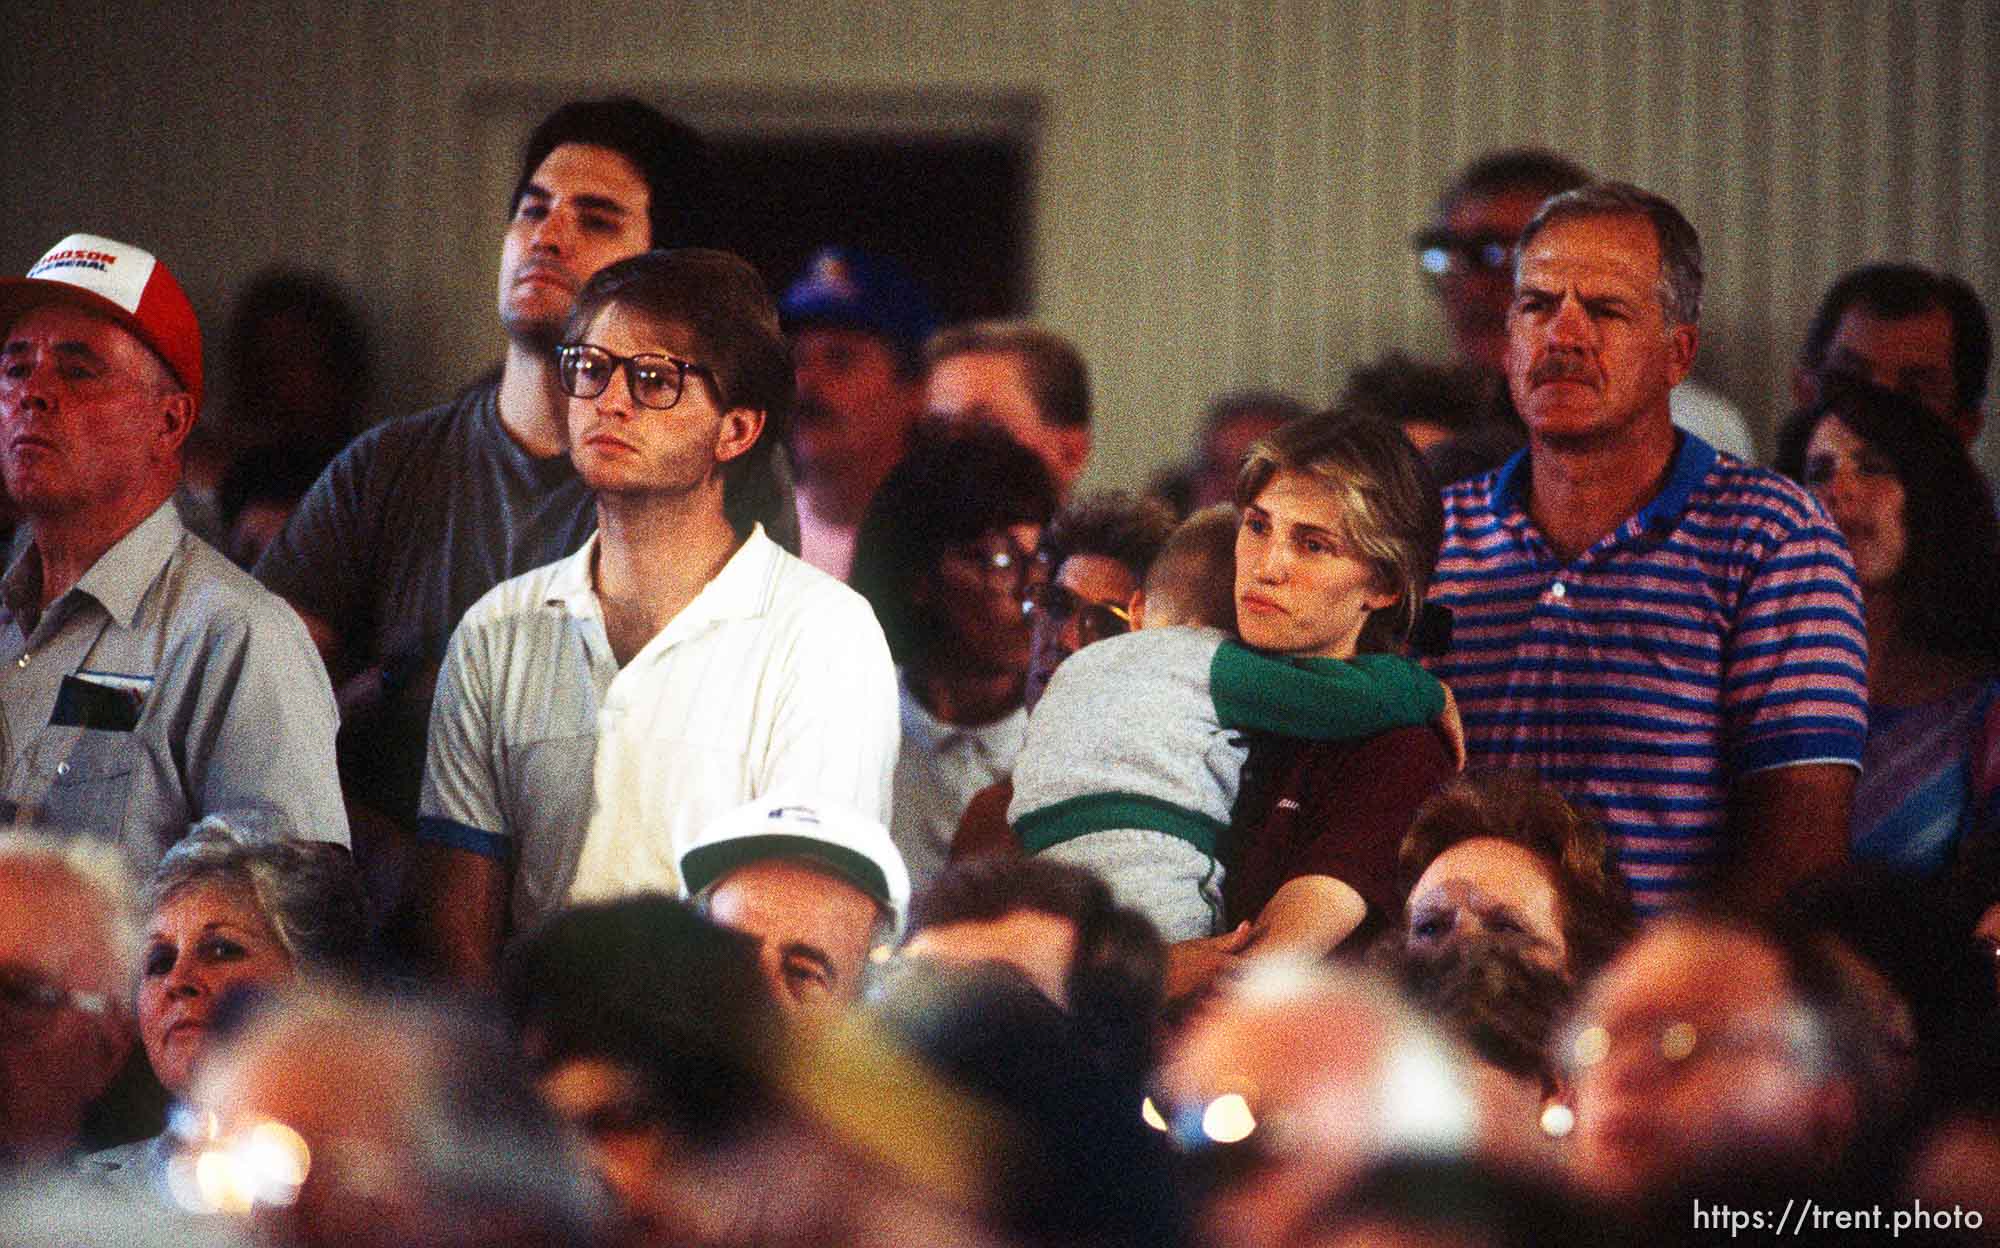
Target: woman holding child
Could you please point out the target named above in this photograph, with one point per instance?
(1134, 754)
(1340, 534)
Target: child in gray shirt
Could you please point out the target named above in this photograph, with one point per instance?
(1134, 753)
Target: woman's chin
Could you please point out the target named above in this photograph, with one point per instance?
(174, 1064)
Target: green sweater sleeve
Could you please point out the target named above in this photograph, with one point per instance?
(1321, 699)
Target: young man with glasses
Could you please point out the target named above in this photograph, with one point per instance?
(593, 715)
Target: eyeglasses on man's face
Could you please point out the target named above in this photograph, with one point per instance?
(1058, 604)
(656, 381)
(1444, 253)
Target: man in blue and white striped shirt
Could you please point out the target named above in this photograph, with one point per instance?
(1656, 628)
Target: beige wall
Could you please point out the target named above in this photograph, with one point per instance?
(1224, 190)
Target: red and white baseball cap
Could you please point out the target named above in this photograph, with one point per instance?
(122, 282)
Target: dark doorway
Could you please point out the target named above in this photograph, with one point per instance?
(954, 211)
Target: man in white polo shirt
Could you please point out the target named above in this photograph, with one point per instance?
(594, 714)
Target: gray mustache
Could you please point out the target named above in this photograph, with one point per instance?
(1562, 368)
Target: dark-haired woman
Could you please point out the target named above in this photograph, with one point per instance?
(945, 555)
(1919, 521)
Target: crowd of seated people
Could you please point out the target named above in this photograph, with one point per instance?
(1483, 811)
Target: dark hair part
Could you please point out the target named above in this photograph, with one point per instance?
(1897, 292)
(1680, 245)
(308, 891)
(669, 157)
(1056, 375)
(1115, 524)
(953, 486)
(719, 299)
(1273, 405)
(1117, 978)
(1195, 576)
(279, 473)
(1460, 1199)
(1949, 584)
(1513, 169)
(1388, 505)
(1518, 808)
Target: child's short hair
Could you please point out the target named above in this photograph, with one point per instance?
(1193, 579)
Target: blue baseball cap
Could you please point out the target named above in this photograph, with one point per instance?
(852, 289)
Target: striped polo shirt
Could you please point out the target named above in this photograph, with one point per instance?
(1717, 632)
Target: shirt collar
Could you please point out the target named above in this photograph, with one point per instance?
(918, 722)
(569, 587)
(999, 740)
(1692, 460)
(118, 581)
(1510, 483)
(740, 591)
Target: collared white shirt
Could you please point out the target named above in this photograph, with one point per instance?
(774, 680)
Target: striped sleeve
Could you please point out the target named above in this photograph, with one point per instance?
(1796, 659)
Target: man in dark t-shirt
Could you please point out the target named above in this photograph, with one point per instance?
(421, 516)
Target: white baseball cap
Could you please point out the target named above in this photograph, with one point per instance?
(843, 841)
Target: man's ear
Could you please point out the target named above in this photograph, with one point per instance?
(740, 429)
(1072, 452)
(1681, 343)
(175, 410)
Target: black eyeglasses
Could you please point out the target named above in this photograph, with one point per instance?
(656, 381)
(1094, 620)
(1441, 252)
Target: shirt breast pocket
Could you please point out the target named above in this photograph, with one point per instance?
(85, 775)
